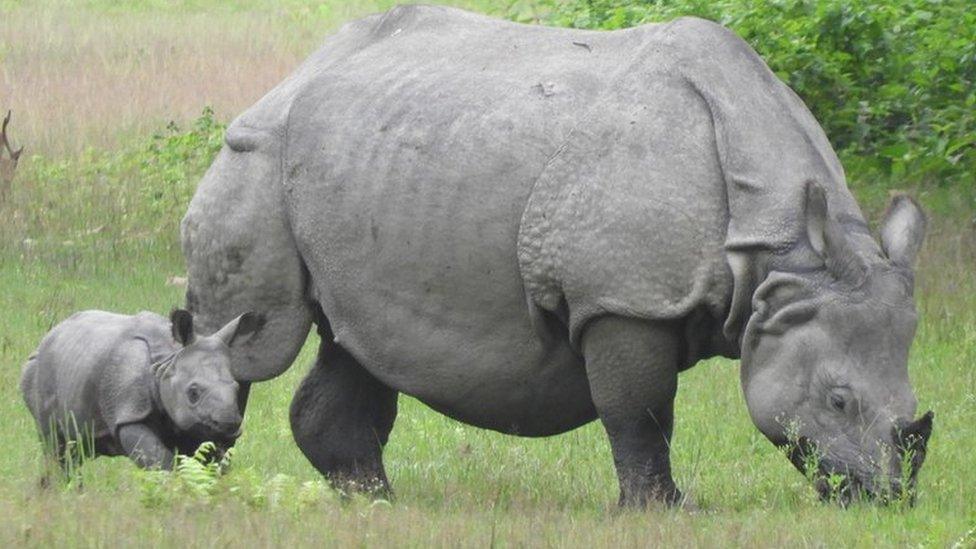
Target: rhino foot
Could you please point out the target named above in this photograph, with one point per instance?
(341, 417)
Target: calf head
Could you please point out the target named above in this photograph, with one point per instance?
(825, 357)
(196, 387)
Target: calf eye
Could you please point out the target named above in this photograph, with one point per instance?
(193, 394)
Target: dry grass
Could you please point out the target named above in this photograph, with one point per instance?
(80, 74)
(92, 80)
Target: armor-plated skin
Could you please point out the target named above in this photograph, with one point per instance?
(527, 228)
(142, 386)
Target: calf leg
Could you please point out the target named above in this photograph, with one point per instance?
(632, 366)
(341, 418)
(144, 447)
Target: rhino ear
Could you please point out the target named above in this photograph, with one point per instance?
(827, 238)
(816, 218)
(240, 329)
(903, 231)
(782, 301)
(182, 326)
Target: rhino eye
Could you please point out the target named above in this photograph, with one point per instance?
(837, 402)
(193, 394)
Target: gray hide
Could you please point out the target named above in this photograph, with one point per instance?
(142, 385)
(457, 201)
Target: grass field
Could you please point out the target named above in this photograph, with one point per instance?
(89, 226)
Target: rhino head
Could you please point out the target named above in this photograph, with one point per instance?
(196, 388)
(825, 355)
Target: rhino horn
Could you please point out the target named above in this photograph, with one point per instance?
(915, 435)
(243, 326)
(827, 238)
(911, 440)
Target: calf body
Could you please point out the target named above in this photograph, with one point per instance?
(141, 386)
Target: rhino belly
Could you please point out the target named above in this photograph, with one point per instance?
(414, 263)
(424, 289)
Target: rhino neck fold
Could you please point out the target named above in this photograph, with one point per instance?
(153, 361)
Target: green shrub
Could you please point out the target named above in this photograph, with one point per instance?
(137, 193)
(193, 477)
(892, 83)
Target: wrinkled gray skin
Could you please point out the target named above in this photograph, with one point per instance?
(528, 228)
(141, 386)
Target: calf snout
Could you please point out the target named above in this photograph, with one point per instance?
(225, 425)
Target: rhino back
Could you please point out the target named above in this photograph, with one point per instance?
(85, 378)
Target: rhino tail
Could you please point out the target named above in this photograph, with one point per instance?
(28, 374)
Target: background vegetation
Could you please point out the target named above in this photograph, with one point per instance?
(122, 106)
(893, 83)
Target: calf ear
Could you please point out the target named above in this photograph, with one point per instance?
(903, 230)
(240, 329)
(182, 325)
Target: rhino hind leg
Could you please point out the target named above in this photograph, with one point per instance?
(341, 418)
(632, 366)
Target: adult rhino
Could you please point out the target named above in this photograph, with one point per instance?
(527, 228)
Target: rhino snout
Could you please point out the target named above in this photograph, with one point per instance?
(230, 425)
(847, 481)
(845, 489)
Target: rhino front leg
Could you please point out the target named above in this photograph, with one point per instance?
(341, 418)
(144, 447)
(632, 366)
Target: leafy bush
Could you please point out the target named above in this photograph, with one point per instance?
(137, 193)
(193, 477)
(202, 479)
(893, 83)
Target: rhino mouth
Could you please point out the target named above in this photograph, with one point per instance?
(845, 490)
(836, 482)
(217, 432)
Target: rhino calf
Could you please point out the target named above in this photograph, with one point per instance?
(141, 386)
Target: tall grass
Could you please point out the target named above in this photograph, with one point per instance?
(81, 74)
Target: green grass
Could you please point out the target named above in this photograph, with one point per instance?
(454, 482)
(97, 229)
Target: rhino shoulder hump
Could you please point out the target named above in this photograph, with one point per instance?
(695, 32)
